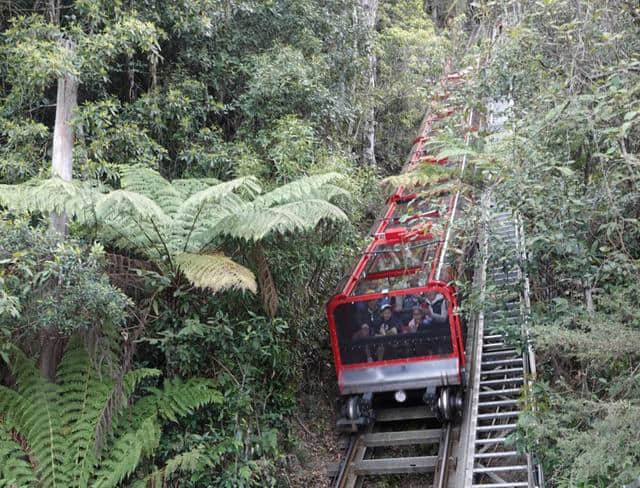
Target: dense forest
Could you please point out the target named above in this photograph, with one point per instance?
(184, 183)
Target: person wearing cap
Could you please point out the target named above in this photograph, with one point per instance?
(388, 324)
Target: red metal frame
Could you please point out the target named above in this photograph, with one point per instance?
(386, 234)
(454, 325)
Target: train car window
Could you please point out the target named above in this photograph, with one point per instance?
(390, 283)
(374, 330)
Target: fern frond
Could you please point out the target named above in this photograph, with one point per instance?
(82, 395)
(188, 462)
(38, 419)
(301, 189)
(125, 453)
(14, 468)
(122, 205)
(255, 223)
(148, 182)
(177, 398)
(425, 174)
(115, 400)
(191, 186)
(54, 195)
(204, 208)
(217, 193)
(133, 221)
(215, 272)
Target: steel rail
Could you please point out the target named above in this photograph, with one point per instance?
(359, 459)
(454, 207)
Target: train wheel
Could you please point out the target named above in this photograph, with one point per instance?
(352, 408)
(449, 404)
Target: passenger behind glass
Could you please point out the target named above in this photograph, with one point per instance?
(363, 332)
(406, 303)
(388, 324)
(368, 312)
(438, 307)
(417, 322)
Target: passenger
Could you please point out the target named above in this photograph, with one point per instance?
(363, 332)
(438, 307)
(388, 260)
(388, 324)
(369, 313)
(411, 301)
(418, 321)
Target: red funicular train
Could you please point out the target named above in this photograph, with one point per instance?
(394, 326)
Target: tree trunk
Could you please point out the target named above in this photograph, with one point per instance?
(370, 11)
(51, 344)
(267, 285)
(61, 164)
(588, 299)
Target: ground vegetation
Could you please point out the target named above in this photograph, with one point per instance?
(162, 288)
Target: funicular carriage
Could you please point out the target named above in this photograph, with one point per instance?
(406, 267)
(398, 271)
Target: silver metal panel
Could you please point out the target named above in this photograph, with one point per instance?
(407, 376)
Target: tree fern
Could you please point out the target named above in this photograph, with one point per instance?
(179, 224)
(48, 430)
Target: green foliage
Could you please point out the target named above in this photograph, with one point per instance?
(251, 359)
(567, 161)
(50, 429)
(46, 281)
(178, 224)
(411, 56)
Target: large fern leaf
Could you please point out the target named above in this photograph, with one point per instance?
(82, 394)
(255, 223)
(15, 470)
(215, 272)
(191, 186)
(148, 182)
(38, 419)
(54, 195)
(308, 187)
(125, 453)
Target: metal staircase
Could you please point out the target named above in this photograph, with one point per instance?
(503, 362)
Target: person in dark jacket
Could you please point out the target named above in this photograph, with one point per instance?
(369, 312)
(388, 323)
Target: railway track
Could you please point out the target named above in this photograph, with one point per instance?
(381, 449)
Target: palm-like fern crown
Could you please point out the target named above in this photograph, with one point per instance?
(177, 221)
(50, 433)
